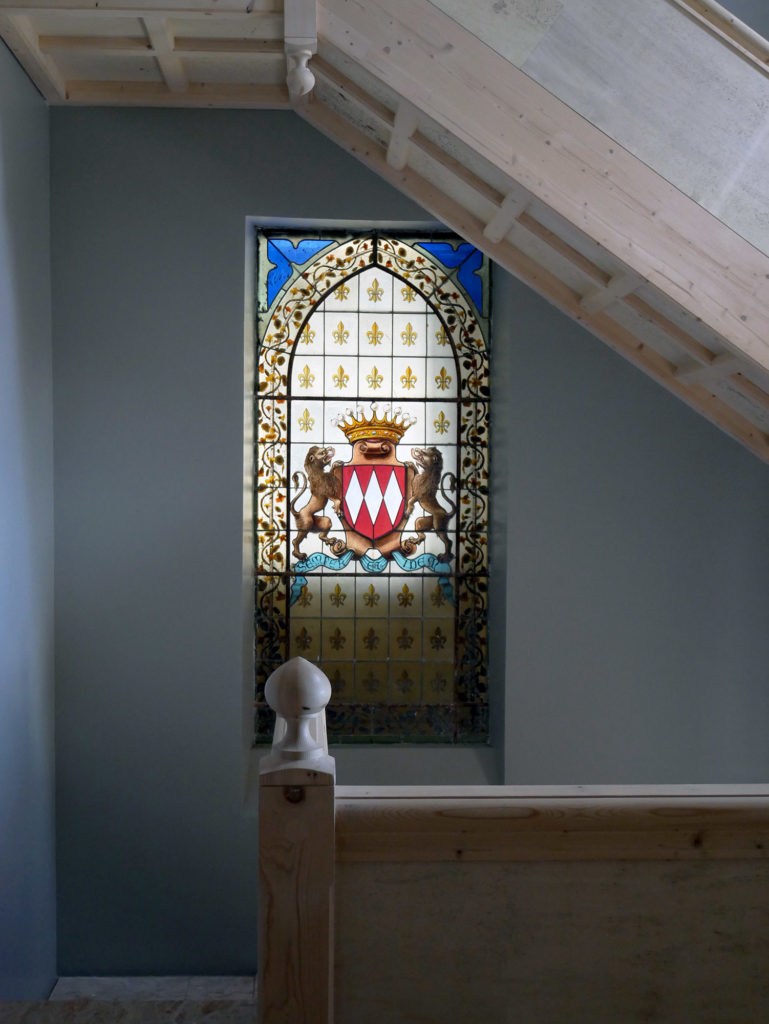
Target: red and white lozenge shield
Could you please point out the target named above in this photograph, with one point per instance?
(373, 498)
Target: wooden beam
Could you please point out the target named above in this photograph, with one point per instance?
(568, 252)
(540, 279)
(732, 32)
(19, 34)
(643, 221)
(134, 8)
(383, 113)
(699, 373)
(190, 46)
(162, 40)
(198, 94)
(617, 288)
(701, 353)
(186, 46)
(750, 390)
(301, 42)
(104, 46)
(404, 126)
(509, 211)
(609, 288)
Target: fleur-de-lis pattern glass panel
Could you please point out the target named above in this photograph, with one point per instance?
(371, 479)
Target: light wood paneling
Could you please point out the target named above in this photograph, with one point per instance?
(506, 824)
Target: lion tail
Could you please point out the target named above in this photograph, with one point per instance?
(298, 477)
(452, 487)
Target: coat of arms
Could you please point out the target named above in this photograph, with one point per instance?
(376, 496)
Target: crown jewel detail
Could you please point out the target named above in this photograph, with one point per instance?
(356, 426)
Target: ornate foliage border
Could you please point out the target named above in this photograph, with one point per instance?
(279, 325)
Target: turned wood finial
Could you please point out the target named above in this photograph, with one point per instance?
(298, 693)
(300, 79)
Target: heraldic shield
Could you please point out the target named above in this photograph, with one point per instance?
(373, 497)
(374, 494)
(375, 484)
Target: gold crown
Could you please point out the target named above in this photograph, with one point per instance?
(356, 426)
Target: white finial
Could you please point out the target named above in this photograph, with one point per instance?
(300, 80)
(298, 693)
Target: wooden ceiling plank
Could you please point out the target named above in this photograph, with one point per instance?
(643, 221)
(541, 280)
(19, 34)
(162, 40)
(198, 94)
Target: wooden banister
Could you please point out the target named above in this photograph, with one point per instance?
(296, 853)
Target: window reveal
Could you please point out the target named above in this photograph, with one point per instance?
(371, 479)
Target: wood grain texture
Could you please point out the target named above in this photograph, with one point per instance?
(503, 824)
(296, 882)
(523, 131)
(19, 34)
(514, 259)
(198, 94)
(553, 943)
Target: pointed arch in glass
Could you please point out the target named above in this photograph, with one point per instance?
(371, 483)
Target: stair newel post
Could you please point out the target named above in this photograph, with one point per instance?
(296, 852)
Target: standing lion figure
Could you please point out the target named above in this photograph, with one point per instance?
(325, 485)
(424, 490)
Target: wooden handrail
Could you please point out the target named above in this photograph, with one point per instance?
(306, 825)
(507, 823)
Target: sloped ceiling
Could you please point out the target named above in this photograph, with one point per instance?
(474, 140)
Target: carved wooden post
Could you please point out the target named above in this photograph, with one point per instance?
(296, 853)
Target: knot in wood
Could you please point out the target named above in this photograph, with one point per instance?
(294, 794)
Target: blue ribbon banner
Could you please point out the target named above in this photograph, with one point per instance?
(373, 565)
(431, 562)
(315, 561)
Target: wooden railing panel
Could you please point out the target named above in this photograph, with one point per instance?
(578, 942)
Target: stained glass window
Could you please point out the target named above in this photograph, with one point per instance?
(371, 474)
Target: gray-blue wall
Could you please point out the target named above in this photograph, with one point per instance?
(157, 864)
(638, 567)
(636, 534)
(27, 878)
(753, 12)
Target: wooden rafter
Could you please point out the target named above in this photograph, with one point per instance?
(517, 262)
(471, 138)
(197, 94)
(543, 146)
